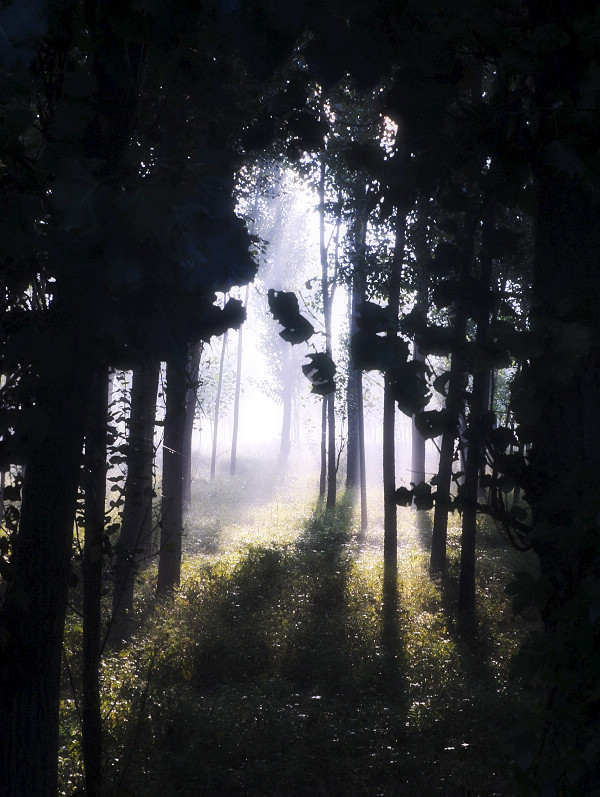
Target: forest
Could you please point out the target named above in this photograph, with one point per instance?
(299, 389)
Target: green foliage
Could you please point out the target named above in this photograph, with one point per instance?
(270, 671)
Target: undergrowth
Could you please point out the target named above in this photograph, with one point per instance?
(279, 669)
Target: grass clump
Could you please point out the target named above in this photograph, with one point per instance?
(284, 668)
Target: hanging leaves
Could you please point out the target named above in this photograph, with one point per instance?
(422, 496)
(371, 352)
(285, 309)
(320, 371)
(403, 496)
(373, 318)
(432, 423)
(409, 386)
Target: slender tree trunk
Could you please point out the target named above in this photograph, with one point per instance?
(169, 563)
(453, 407)
(331, 452)
(190, 415)
(390, 524)
(323, 472)
(417, 467)
(422, 254)
(135, 537)
(33, 613)
(352, 448)
(327, 291)
(417, 441)
(364, 517)
(2, 485)
(474, 451)
(95, 508)
(356, 469)
(236, 404)
(213, 459)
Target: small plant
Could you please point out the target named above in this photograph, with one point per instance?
(279, 668)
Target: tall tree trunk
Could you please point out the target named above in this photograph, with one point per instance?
(417, 441)
(171, 531)
(474, 451)
(331, 452)
(327, 292)
(213, 459)
(33, 614)
(95, 509)
(364, 517)
(454, 402)
(323, 471)
(356, 468)
(565, 430)
(390, 523)
(236, 403)
(136, 522)
(422, 255)
(352, 448)
(190, 415)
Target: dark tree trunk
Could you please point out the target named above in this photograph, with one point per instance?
(236, 403)
(190, 415)
(364, 517)
(565, 430)
(213, 459)
(171, 527)
(331, 453)
(135, 538)
(422, 255)
(95, 509)
(323, 471)
(417, 459)
(352, 448)
(454, 402)
(390, 518)
(356, 464)
(33, 613)
(475, 451)
(327, 292)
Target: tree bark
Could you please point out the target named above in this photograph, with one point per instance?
(236, 403)
(190, 415)
(331, 452)
(364, 516)
(564, 425)
(352, 448)
(33, 614)
(422, 255)
(474, 451)
(171, 531)
(327, 292)
(323, 471)
(95, 510)
(213, 459)
(136, 522)
(454, 402)
(390, 517)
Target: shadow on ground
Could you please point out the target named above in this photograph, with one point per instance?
(286, 679)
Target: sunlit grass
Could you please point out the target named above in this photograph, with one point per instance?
(270, 671)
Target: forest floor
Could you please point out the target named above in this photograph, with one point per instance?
(282, 669)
